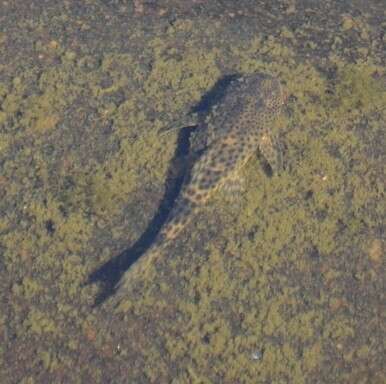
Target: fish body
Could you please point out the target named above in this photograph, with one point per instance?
(237, 127)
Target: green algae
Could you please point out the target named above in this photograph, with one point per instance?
(235, 299)
(49, 361)
(28, 288)
(318, 170)
(183, 79)
(38, 323)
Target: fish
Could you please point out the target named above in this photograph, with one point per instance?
(237, 126)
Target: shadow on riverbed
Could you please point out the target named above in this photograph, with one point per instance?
(111, 272)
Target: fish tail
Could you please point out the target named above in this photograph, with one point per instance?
(138, 269)
(180, 217)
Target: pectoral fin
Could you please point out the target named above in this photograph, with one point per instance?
(271, 150)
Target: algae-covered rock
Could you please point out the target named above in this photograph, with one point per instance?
(280, 282)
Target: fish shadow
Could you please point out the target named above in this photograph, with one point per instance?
(179, 168)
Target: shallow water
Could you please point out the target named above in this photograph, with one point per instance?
(284, 284)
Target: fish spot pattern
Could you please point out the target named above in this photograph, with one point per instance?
(241, 119)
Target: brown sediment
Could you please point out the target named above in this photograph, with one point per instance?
(272, 290)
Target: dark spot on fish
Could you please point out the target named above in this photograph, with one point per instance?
(199, 197)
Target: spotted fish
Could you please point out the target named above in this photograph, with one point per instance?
(239, 125)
